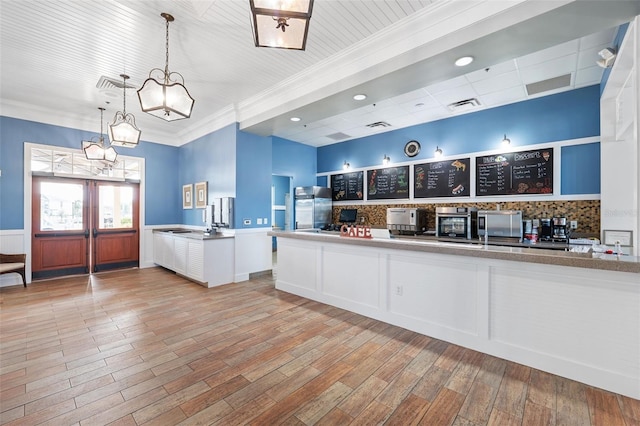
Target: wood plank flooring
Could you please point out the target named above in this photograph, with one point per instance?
(146, 347)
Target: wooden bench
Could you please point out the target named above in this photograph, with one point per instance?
(13, 263)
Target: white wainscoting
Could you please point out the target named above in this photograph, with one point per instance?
(12, 242)
(253, 252)
(583, 324)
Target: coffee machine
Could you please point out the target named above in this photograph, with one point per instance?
(560, 229)
(546, 230)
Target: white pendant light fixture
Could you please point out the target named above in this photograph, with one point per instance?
(282, 24)
(166, 97)
(123, 130)
(96, 150)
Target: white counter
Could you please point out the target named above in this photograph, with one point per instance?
(205, 259)
(548, 310)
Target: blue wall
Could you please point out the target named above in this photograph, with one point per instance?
(212, 159)
(576, 179)
(295, 160)
(253, 180)
(569, 115)
(161, 169)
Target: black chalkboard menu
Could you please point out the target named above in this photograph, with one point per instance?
(390, 182)
(347, 186)
(524, 172)
(451, 178)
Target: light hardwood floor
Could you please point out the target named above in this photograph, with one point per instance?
(148, 347)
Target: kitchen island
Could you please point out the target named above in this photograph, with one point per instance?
(566, 313)
(207, 259)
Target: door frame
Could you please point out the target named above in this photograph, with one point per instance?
(27, 191)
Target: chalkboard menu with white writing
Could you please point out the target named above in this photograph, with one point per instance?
(347, 186)
(388, 183)
(451, 178)
(524, 172)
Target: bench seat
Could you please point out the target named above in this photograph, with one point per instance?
(13, 263)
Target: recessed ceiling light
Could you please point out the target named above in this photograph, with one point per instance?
(295, 119)
(360, 97)
(465, 60)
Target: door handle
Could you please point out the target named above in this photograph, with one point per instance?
(86, 233)
(95, 232)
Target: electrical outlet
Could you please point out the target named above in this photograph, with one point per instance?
(265, 221)
(246, 222)
(399, 290)
(574, 224)
(259, 221)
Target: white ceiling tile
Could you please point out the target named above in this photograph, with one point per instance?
(492, 72)
(497, 83)
(456, 94)
(447, 85)
(420, 104)
(549, 69)
(588, 76)
(602, 37)
(549, 54)
(503, 97)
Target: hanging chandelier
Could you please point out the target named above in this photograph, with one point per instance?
(123, 130)
(165, 97)
(96, 150)
(282, 24)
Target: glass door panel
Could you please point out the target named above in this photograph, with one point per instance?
(60, 227)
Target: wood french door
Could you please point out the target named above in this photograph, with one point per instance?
(81, 226)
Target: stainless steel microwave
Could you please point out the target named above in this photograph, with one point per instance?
(456, 222)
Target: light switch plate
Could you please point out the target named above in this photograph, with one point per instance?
(259, 221)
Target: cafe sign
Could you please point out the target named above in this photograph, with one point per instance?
(355, 231)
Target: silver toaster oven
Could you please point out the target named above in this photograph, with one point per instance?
(406, 220)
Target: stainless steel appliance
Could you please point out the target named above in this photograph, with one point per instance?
(456, 222)
(312, 207)
(546, 230)
(406, 221)
(505, 224)
(219, 214)
(560, 229)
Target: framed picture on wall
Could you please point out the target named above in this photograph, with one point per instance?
(187, 196)
(201, 195)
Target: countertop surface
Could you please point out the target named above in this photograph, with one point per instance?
(610, 262)
(192, 234)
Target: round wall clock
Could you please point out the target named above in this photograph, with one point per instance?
(412, 148)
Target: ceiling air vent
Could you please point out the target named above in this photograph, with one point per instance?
(464, 105)
(108, 83)
(338, 136)
(379, 124)
(563, 81)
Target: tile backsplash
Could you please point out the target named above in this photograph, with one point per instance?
(586, 212)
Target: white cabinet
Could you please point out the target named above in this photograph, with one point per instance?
(209, 262)
(195, 267)
(180, 255)
(163, 250)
